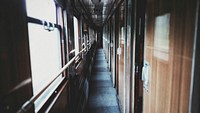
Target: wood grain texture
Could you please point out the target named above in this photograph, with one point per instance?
(14, 56)
(169, 84)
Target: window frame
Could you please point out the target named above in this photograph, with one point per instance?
(53, 91)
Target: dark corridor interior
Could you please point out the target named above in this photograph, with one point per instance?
(100, 56)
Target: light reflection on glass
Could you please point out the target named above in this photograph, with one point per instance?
(161, 38)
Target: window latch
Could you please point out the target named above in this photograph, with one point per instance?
(48, 26)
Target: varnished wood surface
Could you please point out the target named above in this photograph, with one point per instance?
(170, 69)
(14, 56)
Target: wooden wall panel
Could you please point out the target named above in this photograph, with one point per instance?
(163, 87)
(170, 66)
(14, 57)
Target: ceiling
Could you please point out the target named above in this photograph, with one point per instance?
(96, 12)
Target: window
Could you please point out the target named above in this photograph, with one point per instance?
(45, 47)
(76, 36)
(45, 10)
(45, 53)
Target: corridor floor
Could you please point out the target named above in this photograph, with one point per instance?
(102, 95)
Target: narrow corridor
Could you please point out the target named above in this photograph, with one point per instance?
(102, 95)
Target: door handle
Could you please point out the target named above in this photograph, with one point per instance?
(146, 75)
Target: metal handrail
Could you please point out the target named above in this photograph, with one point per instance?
(27, 105)
(72, 51)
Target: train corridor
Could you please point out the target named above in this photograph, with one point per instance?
(100, 56)
(102, 95)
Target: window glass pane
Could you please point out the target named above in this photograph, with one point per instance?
(41, 9)
(76, 36)
(70, 41)
(45, 53)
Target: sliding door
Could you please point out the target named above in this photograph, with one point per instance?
(169, 51)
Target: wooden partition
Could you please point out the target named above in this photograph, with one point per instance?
(170, 26)
(15, 73)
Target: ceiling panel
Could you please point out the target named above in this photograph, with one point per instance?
(97, 11)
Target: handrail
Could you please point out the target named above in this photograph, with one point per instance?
(72, 51)
(27, 105)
